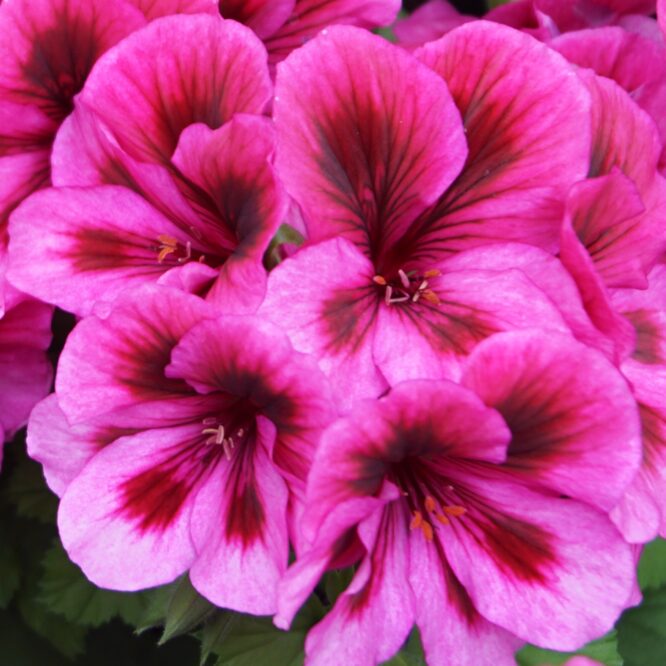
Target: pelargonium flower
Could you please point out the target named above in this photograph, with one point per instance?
(374, 151)
(481, 509)
(153, 9)
(195, 433)
(164, 168)
(25, 370)
(285, 25)
(47, 51)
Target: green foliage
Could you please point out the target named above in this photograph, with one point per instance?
(336, 582)
(27, 491)
(64, 590)
(186, 611)
(642, 631)
(10, 573)
(245, 640)
(603, 650)
(411, 653)
(286, 235)
(652, 566)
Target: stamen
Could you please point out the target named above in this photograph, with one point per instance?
(455, 510)
(218, 435)
(426, 528)
(188, 253)
(430, 504)
(430, 296)
(403, 278)
(378, 279)
(228, 445)
(417, 520)
(168, 245)
(442, 519)
(388, 294)
(432, 273)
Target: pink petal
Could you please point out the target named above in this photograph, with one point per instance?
(119, 362)
(427, 23)
(623, 135)
(310, 16)
(125, 520)
(50, 436)
(153, 9)
(578, 14)
(550, 570)
(241, 570)
(432, 339)
(370, 620)
(85, 153)
(548, 274)
(575, 432)
(265, 17)
(25, 135)
(25, 371)
(519, 101)
(367, 137)
(634, 61)
(329, 313)
(452, 631)
(587, 211)
(76, 247)
(51, 46)
(246, 192)
(526, 17)
(607, 216)
(208, 69)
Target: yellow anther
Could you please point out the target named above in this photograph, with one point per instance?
(417, 520)
(426, 528)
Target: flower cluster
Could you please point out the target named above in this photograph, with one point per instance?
(455, 387)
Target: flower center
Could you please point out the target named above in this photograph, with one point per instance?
(408, 287)
(430, 504)
(169, 247)
(228, 438)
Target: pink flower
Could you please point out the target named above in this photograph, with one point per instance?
(475, 511)
(47, 51)
(285, 25)
(374, 151)
(163, 173)
(193, 435)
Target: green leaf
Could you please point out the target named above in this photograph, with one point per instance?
(603, 650)
(652, 567)
(336, 582)
(215, 632)
(186, 611)
(411, 654)
(642, 631)
(28, 492)
(157, 603)
(10, 572)
(286, 234)
(251, 640)
(63, 589)
(21, 647)
(66, 638)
